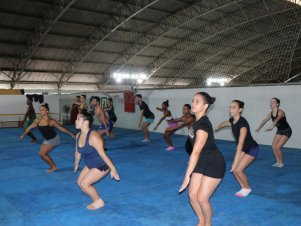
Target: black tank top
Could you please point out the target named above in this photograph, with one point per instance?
(282, 123)
(47, 131)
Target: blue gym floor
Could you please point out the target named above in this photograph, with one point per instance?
(147, 193)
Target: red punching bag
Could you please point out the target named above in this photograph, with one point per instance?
(129, 101)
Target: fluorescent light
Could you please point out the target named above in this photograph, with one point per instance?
(219, 81)
(139, 77)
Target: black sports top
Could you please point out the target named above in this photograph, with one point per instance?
(249, 142)
(282, 123)
(47, 131)
(111, 113)
(146, 113)
(203, 124)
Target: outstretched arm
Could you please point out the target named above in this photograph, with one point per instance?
(222, 125)
(167, 113)
(280, 115)
(61, 128)
(27, 130)
(263, 122)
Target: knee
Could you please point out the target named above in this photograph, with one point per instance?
(42, 153)
(202, 200)
(193, 197)
(82, 184)
(237, 172)
(276, 147)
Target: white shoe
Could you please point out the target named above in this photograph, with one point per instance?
(145, 140)
(280, 165)
(275, 164)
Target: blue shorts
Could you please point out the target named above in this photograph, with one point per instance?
(253, 151)
(148, 120)
(109, 126)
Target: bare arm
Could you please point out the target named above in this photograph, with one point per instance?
(166, 114)
(201, 137)
(97, 142)
(239, 148)
(263, 122)
(61, 128)
(27, 130)
(222, 125)
(140, 120)
(280, 115)
(77, 156)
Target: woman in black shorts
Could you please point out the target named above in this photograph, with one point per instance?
(283, 133)
(247, 148)
(206, 166)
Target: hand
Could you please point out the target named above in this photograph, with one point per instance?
(233, 168)
(72, 135)
(75, 168)
(21, 137)
(184, 184)
(114, 175)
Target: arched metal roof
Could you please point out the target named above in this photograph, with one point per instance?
(79, 44)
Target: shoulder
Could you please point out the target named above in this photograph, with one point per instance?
(281, 112)
(203, 124)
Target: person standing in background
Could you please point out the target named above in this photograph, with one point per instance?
(148, 117)
(29, 118)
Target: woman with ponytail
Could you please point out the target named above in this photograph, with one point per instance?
(46, 125)
(206, 167)
(247, 148)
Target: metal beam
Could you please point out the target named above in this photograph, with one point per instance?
(99, 35)
(50, 18)
(195, 62)
(158, 64)
(169, 24)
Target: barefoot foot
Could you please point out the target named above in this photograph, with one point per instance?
(52, 169)
(96, 205)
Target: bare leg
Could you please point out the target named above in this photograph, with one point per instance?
(194, 186)
(207, 188)
(44, 154)
(166, 136)
(145, 125)
(239, 173)
(86, 184)
(277, 145)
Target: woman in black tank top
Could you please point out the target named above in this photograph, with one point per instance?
(283, 133)
(46, 126)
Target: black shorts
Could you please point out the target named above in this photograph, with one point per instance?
(212, 165)
(286, 132)
(188, 146)
(101, 168)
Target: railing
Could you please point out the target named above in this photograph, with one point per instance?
(13, 120)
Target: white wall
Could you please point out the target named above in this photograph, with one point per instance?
(16, 104)
(256, 100)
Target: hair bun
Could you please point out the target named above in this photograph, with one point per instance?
(212, 100)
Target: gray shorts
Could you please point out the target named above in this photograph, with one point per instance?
(55, 141)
